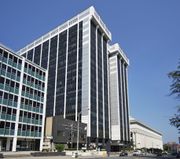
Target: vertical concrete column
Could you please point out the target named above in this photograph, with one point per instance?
(102, 52)
(134, 140)
(44, 114)
(124, 101)
(77, 73)
(54, 109)
(97, 106)
(86, 79)
(18, 107)
(14, 143)
(121, 91)
(65, 88)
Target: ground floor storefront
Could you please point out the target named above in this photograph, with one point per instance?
(23, 144)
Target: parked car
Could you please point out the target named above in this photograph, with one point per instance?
(123, 153)
(137, 153)
(83, 149)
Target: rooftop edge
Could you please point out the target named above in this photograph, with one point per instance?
(88, 12)
(116, 48)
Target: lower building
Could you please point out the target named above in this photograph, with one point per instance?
(144, 136)
(22, 102)
(172, 147)
(68, 132)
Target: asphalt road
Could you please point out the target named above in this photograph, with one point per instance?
(131, 157)
(111, 157)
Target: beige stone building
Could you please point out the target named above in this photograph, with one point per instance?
(144, 136)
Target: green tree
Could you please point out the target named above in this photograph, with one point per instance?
(59, 147)
(175, 90)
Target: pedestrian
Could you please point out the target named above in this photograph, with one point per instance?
(108, 148)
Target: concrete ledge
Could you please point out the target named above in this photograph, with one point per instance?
(91, 153)
(15, 154)
(37, 154)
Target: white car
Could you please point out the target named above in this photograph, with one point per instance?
(137, 153)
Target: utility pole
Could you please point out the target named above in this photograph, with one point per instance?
(71, 135)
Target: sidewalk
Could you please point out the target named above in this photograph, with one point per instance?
(27, 155)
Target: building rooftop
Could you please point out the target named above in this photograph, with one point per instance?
(5, 47)
(116, 48)
(134, 121)
(91, 12)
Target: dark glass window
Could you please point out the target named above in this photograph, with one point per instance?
(106, 89)
(37, 54)
(1, 54)
(44, 58)
(120, 99)
(71, 73)
(93, 81)
(127, 104)
(51, 77)
(24, 55)
(5, 54)
(100, 93)
(30, 55)
(123, 100)
(80, 67)
(61, 73)
(1, 51)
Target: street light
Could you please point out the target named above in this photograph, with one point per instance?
(78, 133)
(78, 117)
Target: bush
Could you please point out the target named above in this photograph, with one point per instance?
(59, 147)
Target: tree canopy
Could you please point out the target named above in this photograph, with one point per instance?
(175, 90)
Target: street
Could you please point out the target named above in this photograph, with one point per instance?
(88, 157)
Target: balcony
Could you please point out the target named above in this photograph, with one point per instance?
(3, 72)
(30, 108)
(5, 116)
(10, 62)
(19, 66)
(6, 131)
(5, 59)
(29, 133)
(1, 86)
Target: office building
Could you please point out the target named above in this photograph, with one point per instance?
(119, 103)
(144, 136)
(22, 102)
(75, 55)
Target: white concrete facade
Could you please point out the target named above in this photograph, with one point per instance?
(119, 100)
(144, 136)
(22, 102)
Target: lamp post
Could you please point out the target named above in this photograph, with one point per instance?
(78, 117)
(78, 132)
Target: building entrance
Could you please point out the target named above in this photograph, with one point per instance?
(5, 144)
(27, 145)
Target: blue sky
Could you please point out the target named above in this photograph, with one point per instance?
(148, 31)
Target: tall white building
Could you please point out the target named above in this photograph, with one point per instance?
(119, 102)
(75, 55)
